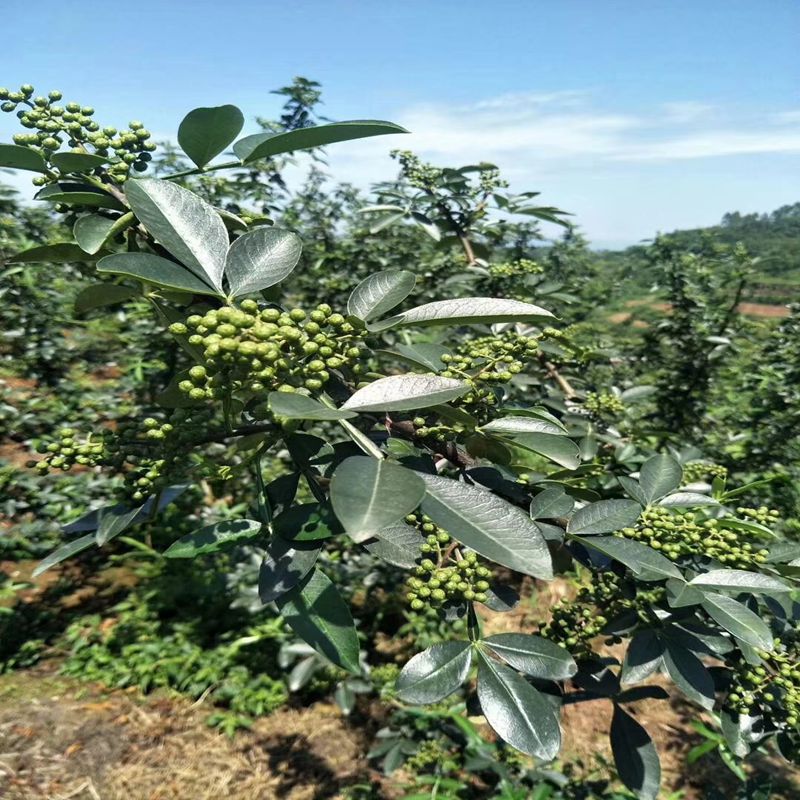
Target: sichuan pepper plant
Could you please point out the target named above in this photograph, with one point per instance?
(424, 455)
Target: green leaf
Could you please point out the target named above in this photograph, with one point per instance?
(315, 611)
(184, 224)
(64, 552)
(306, 522)
(635, 755)
(368, 495)
(738, 620)
(642, 658)
(551, 503)
(466, 311)
(518, 713)
(405, 392)
(285, 566)
(102, 294)
(77, 162)
(260, 259)
(79, 194)
(205, 132)
(113, 520)
(658, 476)
(687, 500)
(92, 231)
(380, 293)
(213, 538)
(58, 253)
(422, 354)
(264, 145)
(149, 268)
(513, 426)
(645, 563)
(604, 516)
(16, 156)
(558, 448)
(435, 673)
(533, 655)
(397, 545)
(488, 525)
(739, 580)
(299, 406)
(689, 674)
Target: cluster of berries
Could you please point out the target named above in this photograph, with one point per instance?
(259, 350)
(600, 404)
(696, 471)
(444, 575)
(772, 687)
(575, 622)
(515, 269)
(53, 124)
(685, 534)
(486, 362)
(148, 453)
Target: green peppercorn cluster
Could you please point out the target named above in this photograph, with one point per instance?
(433, 754)
(444, 575)
(695, 471)
(260, 350)
(52, 125)
(419, 174)
(566, 339)
(600, 404)
(682, 534)
(489, 361)
(515, 269)
(772, 688)
(576, 622)
(148, 453)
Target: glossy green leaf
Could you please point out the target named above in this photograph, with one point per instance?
(488, 525)
(79, 194)
(659, 475)
(422, 354)
(533, 655)
(150, 268)
(380, 293)
(58, 253)
(635, 755)
(551, 503)
(316, 612)
(405, 392)
(644, 562)
(102, 294)
(435, 673)
(92, 231)
(113, 520)
(205, 132)
(260, 259)
(604, 516)
(64, 552)
(184, 224)
(285, 566)
(213, 538)
(558, 448)
(738, 620)
(299, 406)
(306, 522)
(77, 162)
(518, 713)
(739, 580)
(397, 544)
(642, 658)
(264, 145)
(466, 311)
(514, 426)
(687, 500)
(689, 674)
(368, 494)
(14, 156)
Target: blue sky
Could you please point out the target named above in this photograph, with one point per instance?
(635, 116)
